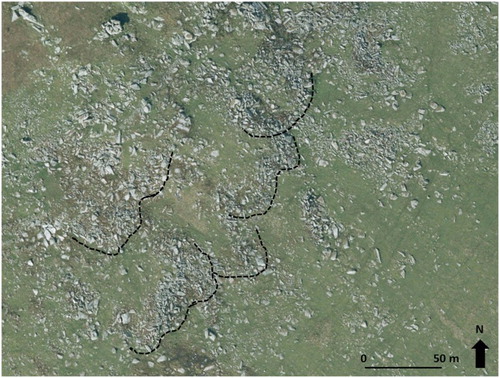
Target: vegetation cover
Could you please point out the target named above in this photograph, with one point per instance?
(249, 188)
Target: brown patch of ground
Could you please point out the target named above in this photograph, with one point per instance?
(22, 51)
(180, 356)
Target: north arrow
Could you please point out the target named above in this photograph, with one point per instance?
(480, 348)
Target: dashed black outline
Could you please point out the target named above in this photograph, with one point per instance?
(294, 123)
(231, 215)
(120, 248)
(280, 171)
(214, 275)
(194, 303)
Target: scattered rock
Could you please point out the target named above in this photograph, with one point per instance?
(162, 358)
(125, 318)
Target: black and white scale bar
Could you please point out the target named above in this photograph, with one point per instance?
(403, 367)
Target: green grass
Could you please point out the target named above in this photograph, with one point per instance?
(451, 288)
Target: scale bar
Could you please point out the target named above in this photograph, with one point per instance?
(403, 367)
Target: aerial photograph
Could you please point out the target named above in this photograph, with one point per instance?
(249, 188)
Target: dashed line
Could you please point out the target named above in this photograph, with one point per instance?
(285, 131)
(266, 265)
(294, 123)
(214, 275)
(275, 188)
(120, 248)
